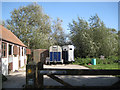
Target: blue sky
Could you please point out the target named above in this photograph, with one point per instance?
(67, 11)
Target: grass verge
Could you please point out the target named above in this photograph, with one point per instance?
(104, 66)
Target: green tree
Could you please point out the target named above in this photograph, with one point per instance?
(2, 22)
(94, 38)
(28, 22)
(58, 33)
(81, 38)
(104, 38)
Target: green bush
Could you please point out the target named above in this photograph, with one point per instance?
(112, 59)
(101, 61)
(84, 61)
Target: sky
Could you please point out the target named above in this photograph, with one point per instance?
(68, 11)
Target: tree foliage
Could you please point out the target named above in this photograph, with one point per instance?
(94, 38)
(2, 23)
(35, 28)
(31, 25)
(58, 33)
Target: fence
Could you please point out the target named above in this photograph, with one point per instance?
(40, 71)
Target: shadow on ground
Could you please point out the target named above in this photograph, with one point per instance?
(83, 80)
(16, 80)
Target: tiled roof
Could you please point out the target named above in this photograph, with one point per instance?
(9, 36)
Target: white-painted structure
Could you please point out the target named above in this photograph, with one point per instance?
(55, 54)
(15, 60)
(13, 52)
(68, 53)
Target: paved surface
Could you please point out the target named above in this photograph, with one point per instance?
(98, 80)
(17, 79)
(64, 66)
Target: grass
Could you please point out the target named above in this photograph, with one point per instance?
(108, 63)
(104, 66)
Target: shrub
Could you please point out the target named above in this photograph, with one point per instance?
(84, 61)
(112, 59)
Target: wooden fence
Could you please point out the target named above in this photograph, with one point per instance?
(40, 71)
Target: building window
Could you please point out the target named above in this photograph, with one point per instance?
(15, 50)
(22, 51)
(10, 49)
(4, 49)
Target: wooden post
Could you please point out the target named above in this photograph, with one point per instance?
(28, 59)
(40, 76)
(30, 75)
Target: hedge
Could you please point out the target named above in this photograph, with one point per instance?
(84, 61)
